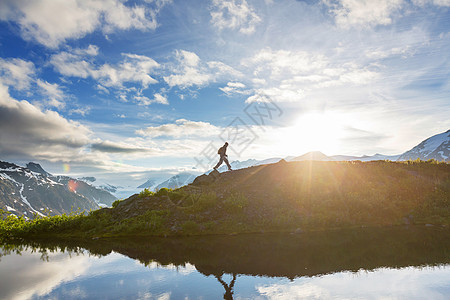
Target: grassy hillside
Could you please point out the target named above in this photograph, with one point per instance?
(284, 196)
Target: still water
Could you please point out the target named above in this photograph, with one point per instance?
(383, 263)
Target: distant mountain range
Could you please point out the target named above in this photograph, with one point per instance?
(436, 147)
(177, 181)
(30, 190)
(149, 184)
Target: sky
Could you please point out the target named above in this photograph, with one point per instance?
(121, 90)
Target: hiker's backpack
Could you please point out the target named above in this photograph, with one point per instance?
(220, 151)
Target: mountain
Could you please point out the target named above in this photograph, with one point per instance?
(92, 181)
(177, 181)
(100, 196)
(25, 191)
(436, 147)
(34, 167)
(149, 184)
(365, 157)
(314, 155)
(292, 197)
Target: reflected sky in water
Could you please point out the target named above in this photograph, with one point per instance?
(64, 276)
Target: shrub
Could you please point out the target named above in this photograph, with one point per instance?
(190, 227)
(163, 192)
(146, 193)
(116, 203)
(202, 202)
(235, 203)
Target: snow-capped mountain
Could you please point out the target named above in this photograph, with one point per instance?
(149, 184)
(100, 184)
(377, 156)
(100, 195)
(436, 147)
(314, 155)
(26, 192)
(177, 181)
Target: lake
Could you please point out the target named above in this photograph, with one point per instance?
(367, 263)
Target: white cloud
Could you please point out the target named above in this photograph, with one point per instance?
(83, 111)
(188, 71)
(34, 134)
(17, 73)
(181, 128)
(34, 277)
(157, 98)
(281, 63)
(119, 147)
(221, 69)
(133, 67)
(41, 134)
(160, 99)
(368, 13)
(289, 76)
(72, 64)
(51, 22)
(435, 2)
(234, 14)
(235, 88)
(53, 92)
(276, 94)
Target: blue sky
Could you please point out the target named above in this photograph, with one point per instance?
(121, 89)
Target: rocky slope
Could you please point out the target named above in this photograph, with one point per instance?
(26, 191)
(436, 147)
(286, 196)
(177, 181)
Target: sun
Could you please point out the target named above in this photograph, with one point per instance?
(316, 131)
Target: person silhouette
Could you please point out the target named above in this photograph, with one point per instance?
(228, 287)
(223, 157)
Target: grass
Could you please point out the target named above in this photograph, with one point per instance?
(306, 195)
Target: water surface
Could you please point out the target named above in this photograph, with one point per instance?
(383, 263)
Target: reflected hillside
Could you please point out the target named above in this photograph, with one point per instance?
(281, 255)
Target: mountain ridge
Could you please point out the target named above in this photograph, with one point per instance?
(435, 147)
(33, 191)
(282, 197)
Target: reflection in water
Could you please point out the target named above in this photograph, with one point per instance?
(309, 264)
(228, 287)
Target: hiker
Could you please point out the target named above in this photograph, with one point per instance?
(223, 157)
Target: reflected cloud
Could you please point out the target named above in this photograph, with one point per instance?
(371, 263)
(383, 283)
(34, 277)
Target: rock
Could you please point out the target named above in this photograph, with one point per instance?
(429, 225)
(206, 179)
(282, 162)
(201, 180)
(215, 174)
(298, 231)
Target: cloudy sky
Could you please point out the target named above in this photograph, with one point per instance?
(115, 88)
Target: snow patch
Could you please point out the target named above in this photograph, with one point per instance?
(9, 208)
(441, 153)
(24, 200)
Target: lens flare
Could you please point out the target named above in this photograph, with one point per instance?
(66, 168)
(72, 186)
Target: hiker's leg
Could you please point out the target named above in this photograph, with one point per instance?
(219, 163)
(225, 159)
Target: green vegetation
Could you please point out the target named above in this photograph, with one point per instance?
(270, 198)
